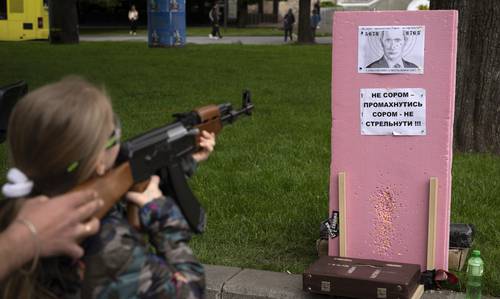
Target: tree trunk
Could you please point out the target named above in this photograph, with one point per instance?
(276, 6)
(477, 105)
(305, 33)
(260, 10)
(242, 13)
(63, 22)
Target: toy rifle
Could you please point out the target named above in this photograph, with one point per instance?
(161, 151)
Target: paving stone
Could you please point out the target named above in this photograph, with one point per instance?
(237, 283)
(250, 283)
(216, 277)
(445, 294)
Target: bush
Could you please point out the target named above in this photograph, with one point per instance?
(327, 4)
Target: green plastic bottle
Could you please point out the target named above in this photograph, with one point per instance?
(475, 267)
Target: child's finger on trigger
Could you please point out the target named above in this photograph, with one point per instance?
(135, 198)
(155, 181)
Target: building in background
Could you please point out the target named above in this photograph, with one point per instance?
(329, 6)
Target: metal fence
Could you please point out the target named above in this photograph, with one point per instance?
(255, 19)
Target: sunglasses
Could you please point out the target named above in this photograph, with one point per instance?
(116, 135)
(113, 139)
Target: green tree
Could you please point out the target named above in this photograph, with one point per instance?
(63, 18)
(243, 12)
(477, 106)
(276, 5)
(107, 4)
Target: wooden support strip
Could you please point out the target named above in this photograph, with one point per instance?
(431, 226)
(342, 216)
(419, 292)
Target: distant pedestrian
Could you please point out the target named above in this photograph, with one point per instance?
(214, 16)
(315, 18)
(288, 22)
(133, 16)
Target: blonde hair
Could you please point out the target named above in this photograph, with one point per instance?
(56, 125)
(51, 128)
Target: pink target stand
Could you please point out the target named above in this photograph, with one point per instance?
(393, 93)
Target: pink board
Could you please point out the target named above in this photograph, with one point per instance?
(387, 176)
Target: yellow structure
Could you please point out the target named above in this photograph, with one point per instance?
(24, 19)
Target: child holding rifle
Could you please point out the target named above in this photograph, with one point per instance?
(62, 134)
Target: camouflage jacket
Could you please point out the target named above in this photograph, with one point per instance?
(120, 262)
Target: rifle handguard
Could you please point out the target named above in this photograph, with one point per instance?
(209, 120)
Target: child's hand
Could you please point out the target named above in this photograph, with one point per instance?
(207, 143)
(152, 192)
(180, 277)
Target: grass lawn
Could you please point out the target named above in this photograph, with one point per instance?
(191, 31)
(266, 186)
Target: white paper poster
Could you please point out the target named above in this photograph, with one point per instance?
(398, 111)
(391, 49)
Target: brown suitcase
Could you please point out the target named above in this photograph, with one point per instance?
(361, 278)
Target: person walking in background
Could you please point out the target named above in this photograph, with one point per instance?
(315, 18)
(214, 20)
(288, 21)
(133, 16)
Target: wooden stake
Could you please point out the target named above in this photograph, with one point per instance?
(431, 227)
(342, 215)
(419, 292)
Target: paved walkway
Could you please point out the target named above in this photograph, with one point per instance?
(238, 283)
(202, 40)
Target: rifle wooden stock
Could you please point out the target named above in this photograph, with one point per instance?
(111, 187)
